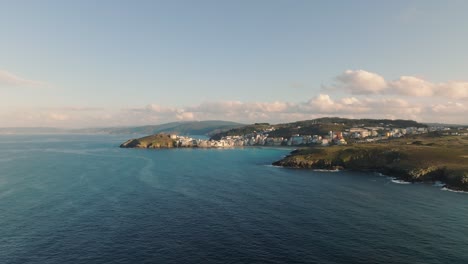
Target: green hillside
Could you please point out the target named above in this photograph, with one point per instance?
(422, 158)
(243, 130)
(319, 126)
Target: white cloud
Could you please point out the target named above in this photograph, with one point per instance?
(350, 101)
(351, 106)
(412, 86)
(454, 90)
(372, 97)
(9, 79)
(246, 112)
(361, 82)
(322, 104)
(185, 116)
(448, 112)
(160, 109)
(452, 108)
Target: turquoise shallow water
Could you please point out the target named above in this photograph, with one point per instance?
(81, 199)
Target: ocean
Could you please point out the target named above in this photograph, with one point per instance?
(82, 199)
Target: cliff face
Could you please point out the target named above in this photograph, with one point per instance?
(413, 164)
(153, 141)
(341, 158)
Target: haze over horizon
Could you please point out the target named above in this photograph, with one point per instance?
(78, 64)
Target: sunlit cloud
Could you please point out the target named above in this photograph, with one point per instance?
(361, 82)
(245, 112)
(412, 86)
(354, 94)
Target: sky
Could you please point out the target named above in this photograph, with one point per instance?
(67, 63)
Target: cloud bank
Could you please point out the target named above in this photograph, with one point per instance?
(246, 112)
(354, 94)
(360, 82)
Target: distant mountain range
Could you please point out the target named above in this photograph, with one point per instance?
(31, 130)
(182, 128)
(446, 125)
(218, 128)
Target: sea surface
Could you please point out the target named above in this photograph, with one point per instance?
(82, 199)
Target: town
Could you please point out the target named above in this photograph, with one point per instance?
(353, 135)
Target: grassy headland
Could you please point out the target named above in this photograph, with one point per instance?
(421, 158)
(153, 141)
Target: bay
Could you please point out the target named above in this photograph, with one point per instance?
(81, 199)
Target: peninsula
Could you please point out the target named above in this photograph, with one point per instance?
(422, 158)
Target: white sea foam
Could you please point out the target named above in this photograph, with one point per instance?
(395, 180)
(450, 190)
(271, 165)
(380, 174)
(322, 170)
(438, 184)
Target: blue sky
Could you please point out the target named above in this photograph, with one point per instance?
(106, 63)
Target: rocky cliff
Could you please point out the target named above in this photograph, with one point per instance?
(409, 163)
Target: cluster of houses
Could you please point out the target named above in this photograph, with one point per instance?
(262, 138)
(447, 131)
(365, 132)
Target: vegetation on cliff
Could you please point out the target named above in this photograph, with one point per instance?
(413, 159)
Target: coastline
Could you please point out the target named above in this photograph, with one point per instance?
(393, 178)
(385, 162)
(428, 160)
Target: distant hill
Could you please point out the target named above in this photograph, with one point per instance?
(181, 128)
(446, 125)
(319, 126)
(32, 130)
(242, 130)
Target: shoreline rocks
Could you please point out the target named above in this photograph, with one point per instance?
(380, 161)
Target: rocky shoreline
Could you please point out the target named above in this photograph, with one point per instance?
(427, 161)
(385, 162)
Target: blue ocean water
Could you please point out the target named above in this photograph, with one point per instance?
(81, 199)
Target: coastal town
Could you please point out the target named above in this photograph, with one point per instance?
(354, 135)
(404, 149)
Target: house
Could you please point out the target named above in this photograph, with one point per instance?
(297, 140)
(357, 132)
(325, 142)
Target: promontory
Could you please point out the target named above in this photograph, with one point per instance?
(422, 158)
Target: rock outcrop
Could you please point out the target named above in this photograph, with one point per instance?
(405, 163)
